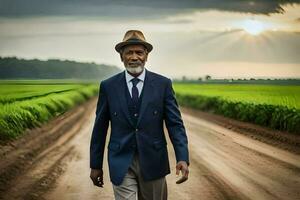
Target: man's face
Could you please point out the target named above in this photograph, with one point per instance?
(134, 58)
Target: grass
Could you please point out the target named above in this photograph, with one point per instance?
(28, 105)
(274, 106)
(257, 94)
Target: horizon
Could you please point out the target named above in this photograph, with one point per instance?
(178, 77)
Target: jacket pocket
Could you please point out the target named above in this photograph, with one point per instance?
(159, 144)
(155, 110)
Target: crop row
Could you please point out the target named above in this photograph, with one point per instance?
(273, 116)
(11, 93)
(17, 116)
(281, 95)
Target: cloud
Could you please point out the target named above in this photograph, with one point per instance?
(133, 8)
(229, 46)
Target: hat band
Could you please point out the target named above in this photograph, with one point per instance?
(134, 40)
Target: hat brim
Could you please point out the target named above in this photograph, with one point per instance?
(120, 45)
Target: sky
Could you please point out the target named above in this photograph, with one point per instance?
(192, 38)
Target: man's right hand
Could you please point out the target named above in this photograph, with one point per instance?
(97, 177)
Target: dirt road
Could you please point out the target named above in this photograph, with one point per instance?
(224, 164)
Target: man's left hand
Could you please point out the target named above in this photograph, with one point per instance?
(183, 167)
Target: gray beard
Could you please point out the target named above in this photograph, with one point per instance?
(134, 70)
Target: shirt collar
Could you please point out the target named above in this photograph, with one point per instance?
(141, 76)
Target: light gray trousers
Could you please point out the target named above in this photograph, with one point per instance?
(134, 187)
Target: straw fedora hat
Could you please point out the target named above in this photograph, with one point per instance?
(133, 37)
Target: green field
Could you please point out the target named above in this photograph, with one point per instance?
(258, 94)
(275, 106)
(27, 104)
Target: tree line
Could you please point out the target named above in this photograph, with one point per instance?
(16, 68)
(207, 79)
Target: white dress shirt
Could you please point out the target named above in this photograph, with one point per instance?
(139, 85)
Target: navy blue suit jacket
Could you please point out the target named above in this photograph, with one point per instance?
(158, 105)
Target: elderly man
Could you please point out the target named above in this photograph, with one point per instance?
(137, 102)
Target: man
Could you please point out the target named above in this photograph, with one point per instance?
(136, 102)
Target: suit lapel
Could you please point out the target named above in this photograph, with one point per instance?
(120, 88)
(147, 91)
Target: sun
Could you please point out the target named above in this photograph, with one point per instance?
(253, 27)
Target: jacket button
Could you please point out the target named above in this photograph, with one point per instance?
(135, 114)
(155, 112)
(136, 130)
(115, 113)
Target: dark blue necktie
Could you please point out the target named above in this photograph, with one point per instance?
(134, 90)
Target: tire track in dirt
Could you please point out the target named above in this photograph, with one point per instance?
(29, 170)
(255, 173)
